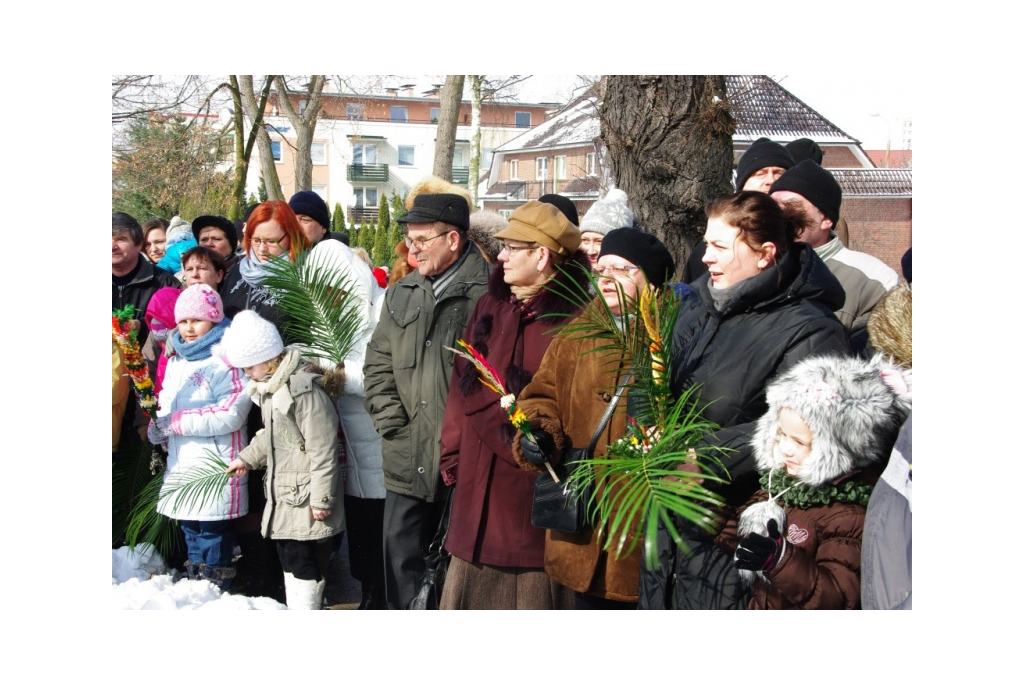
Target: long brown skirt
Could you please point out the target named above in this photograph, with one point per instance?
(478, 586)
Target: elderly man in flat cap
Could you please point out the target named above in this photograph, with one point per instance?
(407, 374)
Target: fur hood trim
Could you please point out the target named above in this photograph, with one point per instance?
(853, 407)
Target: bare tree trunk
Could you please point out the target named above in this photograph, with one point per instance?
(304, 124)
(243, 143)
(254, 111)
(670, 142)
(476, 85)
(444, 146)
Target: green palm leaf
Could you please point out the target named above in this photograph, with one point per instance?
(638, 483)
(322, 315)
(198, 486)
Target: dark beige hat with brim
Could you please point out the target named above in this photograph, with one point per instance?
(541, 223)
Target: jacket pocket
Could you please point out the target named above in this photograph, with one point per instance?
(293, 488)
(405, 345)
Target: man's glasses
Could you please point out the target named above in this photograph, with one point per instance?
(421, 243)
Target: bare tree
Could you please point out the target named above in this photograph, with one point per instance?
(254, 111)
(244, 143)
(444, 147)
(670, 143)
(137, 96)
(304, 123)
(482, 89)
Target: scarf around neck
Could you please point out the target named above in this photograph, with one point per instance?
(253, 271)
(277, 384)
(200, 349)
(793, 493)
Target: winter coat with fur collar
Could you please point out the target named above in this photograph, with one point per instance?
(820, 568)
(567, 398)
(490, 517)
(299, 447)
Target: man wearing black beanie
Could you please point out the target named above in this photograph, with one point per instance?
(760, 166)
(814, 191)
(313, 215)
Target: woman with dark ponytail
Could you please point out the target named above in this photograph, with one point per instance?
(765, 304)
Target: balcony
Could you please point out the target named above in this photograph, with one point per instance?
(362, 215)
(460, 175)
(367, 173)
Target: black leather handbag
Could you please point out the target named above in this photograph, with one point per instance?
(563, 506)
(431, 581)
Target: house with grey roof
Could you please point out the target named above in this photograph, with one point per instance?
(566, 155)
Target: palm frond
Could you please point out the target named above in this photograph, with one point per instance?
(323, 316)
(639, 482)
(197, 486)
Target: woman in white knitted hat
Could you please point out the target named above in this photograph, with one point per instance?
(298, 446)
(605, 215)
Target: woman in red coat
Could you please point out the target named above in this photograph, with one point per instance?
(497, 555)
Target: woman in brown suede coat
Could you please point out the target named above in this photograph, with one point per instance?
(566, 401)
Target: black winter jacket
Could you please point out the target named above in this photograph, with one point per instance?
(773, 321)
(149, 279)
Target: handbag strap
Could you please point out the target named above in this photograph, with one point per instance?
(608, 413)
(441, 536)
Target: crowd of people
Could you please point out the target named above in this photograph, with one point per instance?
(798, 347)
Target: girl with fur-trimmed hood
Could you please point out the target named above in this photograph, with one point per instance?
(830, 425)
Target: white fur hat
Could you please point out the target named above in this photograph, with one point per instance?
(853, 407)
(250, 340)
(608, 214)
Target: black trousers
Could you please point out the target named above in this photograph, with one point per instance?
(304, 559)
(364, 521)
(410, 524)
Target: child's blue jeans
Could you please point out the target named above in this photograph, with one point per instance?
(209, 542)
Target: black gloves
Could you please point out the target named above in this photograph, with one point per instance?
(759, 553)
(539, 450)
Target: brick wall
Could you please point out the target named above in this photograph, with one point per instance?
(880, 226)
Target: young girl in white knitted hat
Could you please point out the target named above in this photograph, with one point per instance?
(298, 447)
(831, 424)
(203, 412)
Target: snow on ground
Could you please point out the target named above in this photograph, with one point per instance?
(141, 580)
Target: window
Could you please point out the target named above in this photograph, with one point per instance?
(435, 115)
(366, 197)
(318, 153)
(364, 154)
(485, 157)
(559, 167)
(513, 169)
(505, 212)
(321, 191)
(406, 155)
(275, 150)
(400, 114)
(460, 157)
(523, 120)
(302, 106)
(542, 168)
(354, 111)
(591, 164)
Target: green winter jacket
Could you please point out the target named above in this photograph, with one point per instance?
(408, 370)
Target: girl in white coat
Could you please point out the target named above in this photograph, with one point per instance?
(202, 415)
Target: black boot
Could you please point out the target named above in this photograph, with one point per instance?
(373, 598)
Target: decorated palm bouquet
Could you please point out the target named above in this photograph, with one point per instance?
(658, 469)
